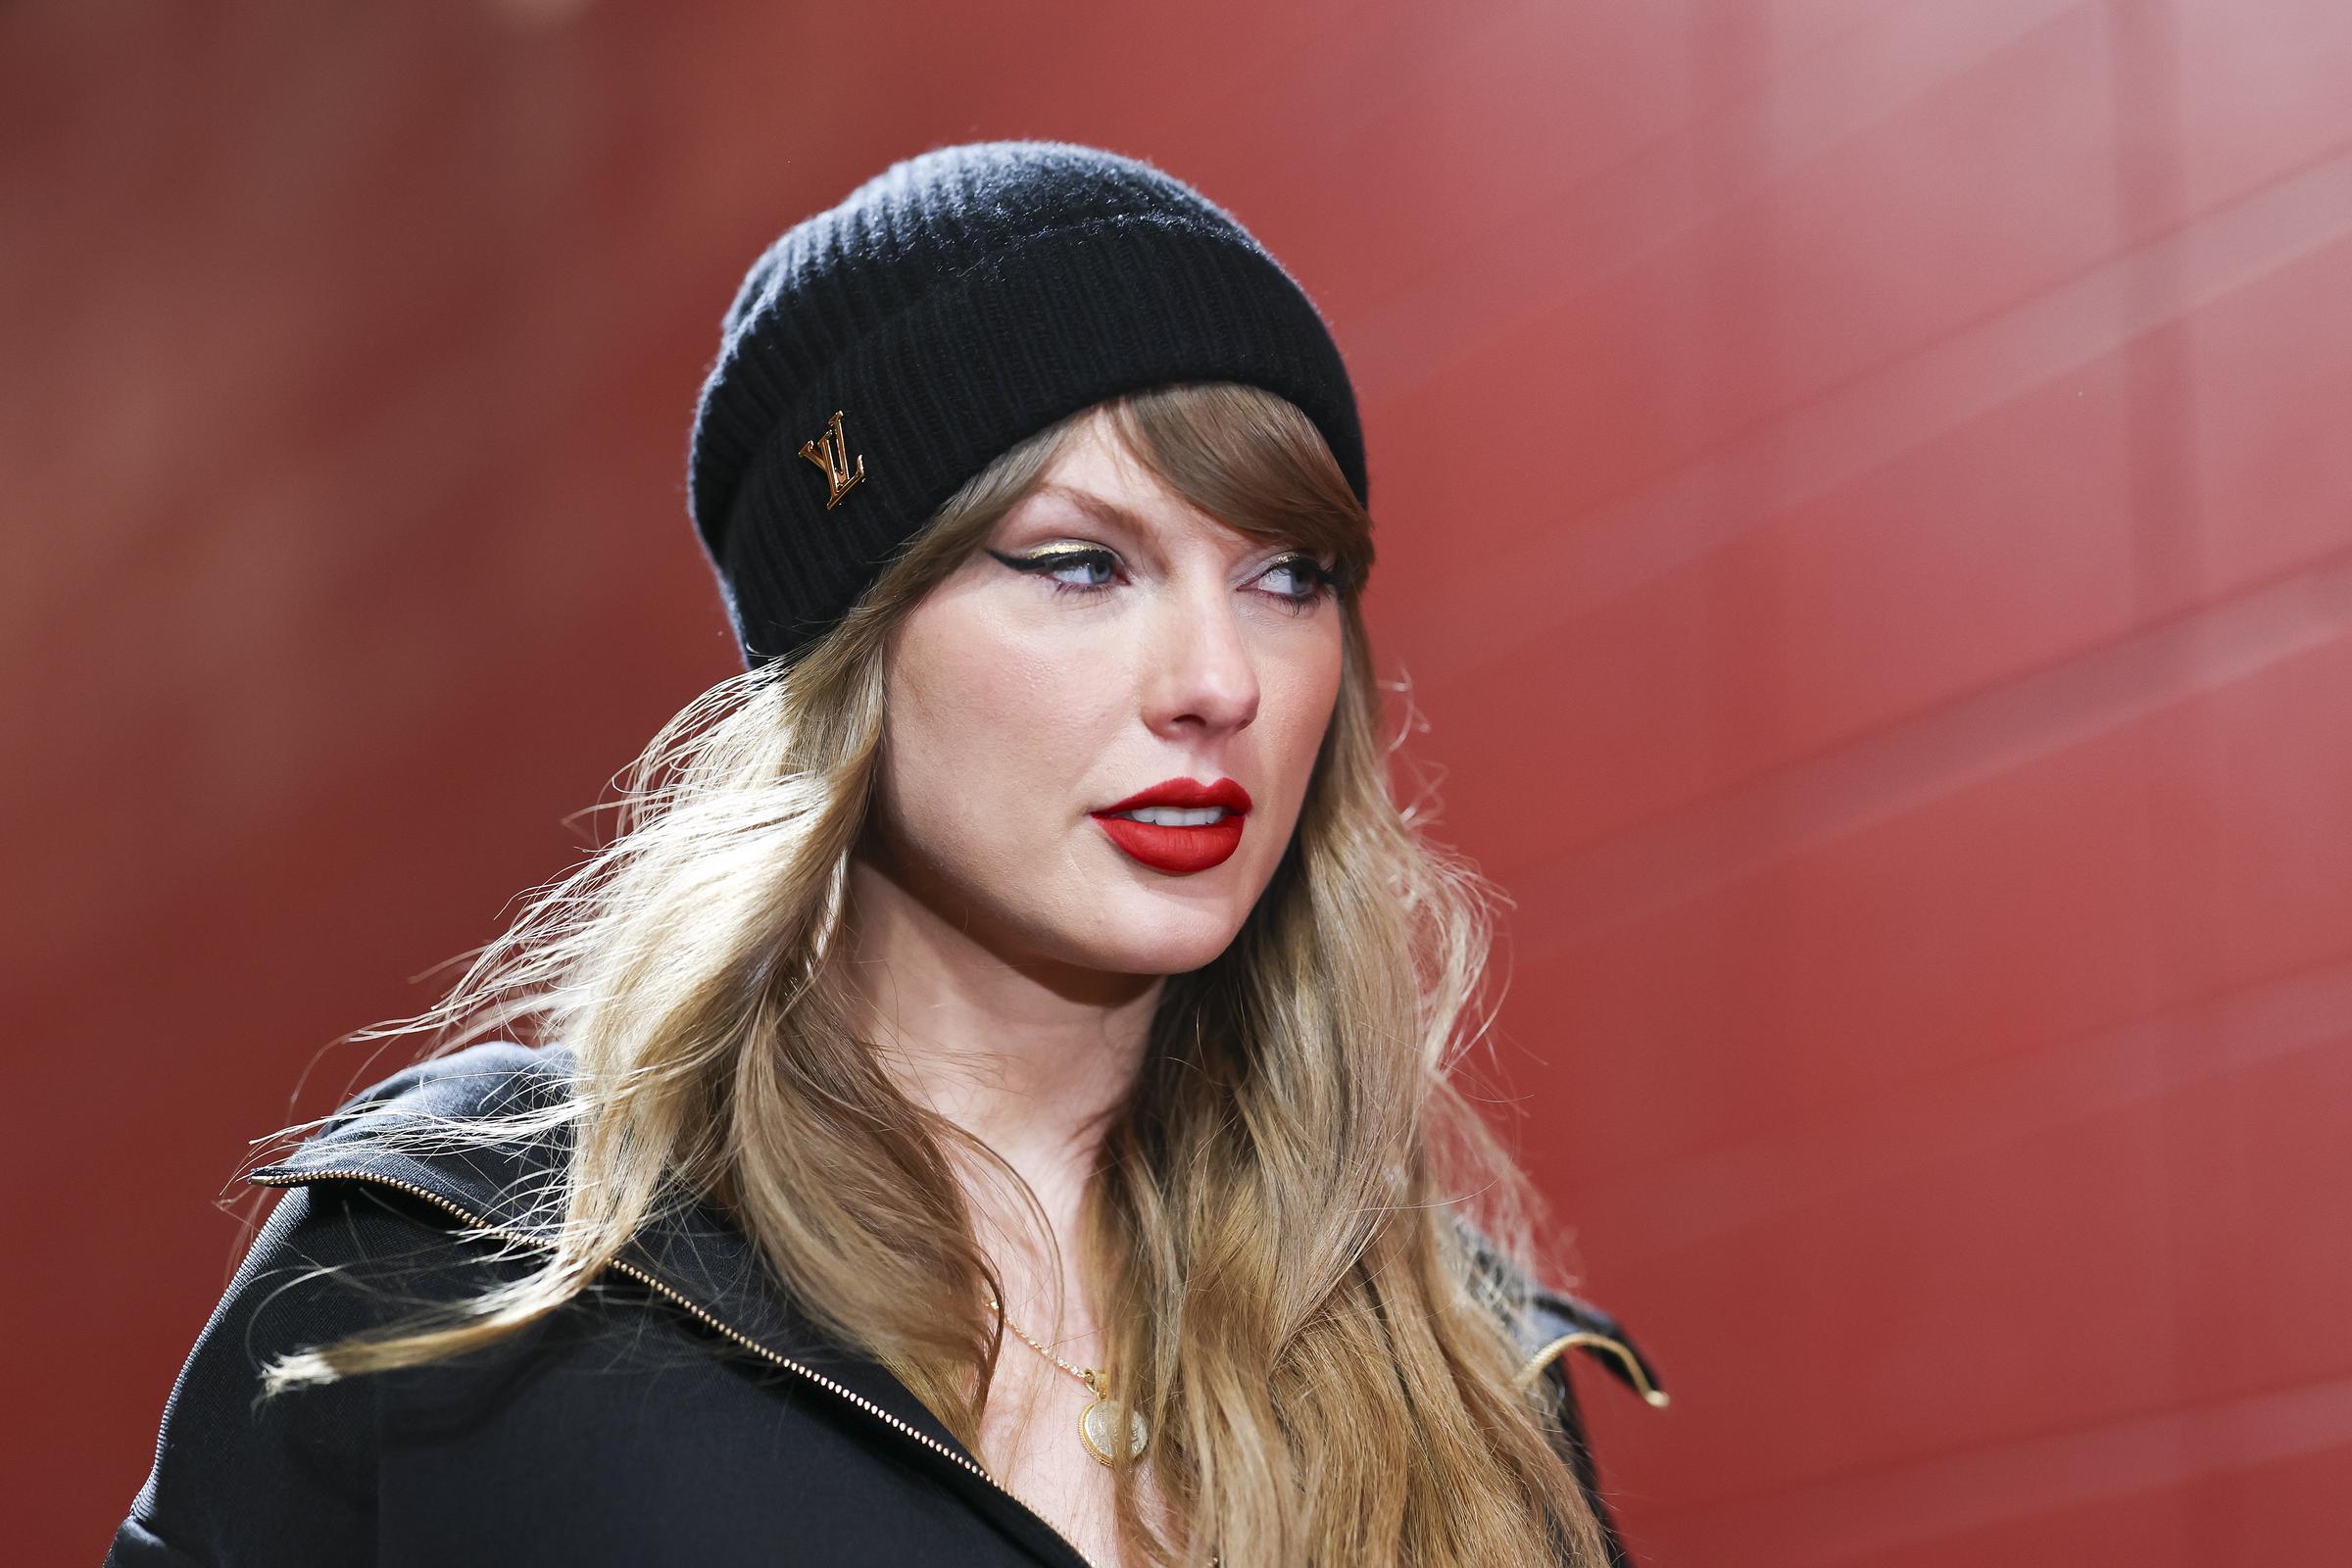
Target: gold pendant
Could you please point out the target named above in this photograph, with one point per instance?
(1098, 1424)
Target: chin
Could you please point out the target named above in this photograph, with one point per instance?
(1158, 940)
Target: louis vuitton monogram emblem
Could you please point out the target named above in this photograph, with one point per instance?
(831, 453)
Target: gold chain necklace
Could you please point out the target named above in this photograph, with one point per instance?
(1100, 1420)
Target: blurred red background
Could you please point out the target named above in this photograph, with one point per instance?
(1865, 510)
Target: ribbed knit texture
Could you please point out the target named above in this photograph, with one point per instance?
(958, 301)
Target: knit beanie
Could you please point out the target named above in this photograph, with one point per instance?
(886, 349)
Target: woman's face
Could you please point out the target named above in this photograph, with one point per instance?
(1109, 639)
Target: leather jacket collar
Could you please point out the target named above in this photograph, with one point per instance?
(694, 1255)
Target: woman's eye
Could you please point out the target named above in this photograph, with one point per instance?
(1300, 581)
(1078, 568)
(1297, 582)
(1068, 570)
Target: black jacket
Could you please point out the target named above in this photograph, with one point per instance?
(679, 1412)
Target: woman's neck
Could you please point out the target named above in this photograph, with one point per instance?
(1030, 1058)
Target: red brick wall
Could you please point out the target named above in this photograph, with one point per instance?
(1866, 509)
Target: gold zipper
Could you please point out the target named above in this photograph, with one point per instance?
(1617, 1348)
(728, 1329)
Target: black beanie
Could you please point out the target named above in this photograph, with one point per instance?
(884, 351)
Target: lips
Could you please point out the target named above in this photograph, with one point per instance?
(1179, 851)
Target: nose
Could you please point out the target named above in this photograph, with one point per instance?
(1199, 674)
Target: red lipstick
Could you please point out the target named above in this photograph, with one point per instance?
(1178, 849)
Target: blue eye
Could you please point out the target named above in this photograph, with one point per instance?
(1052, 563)
(1315, 579)
(1312, 581)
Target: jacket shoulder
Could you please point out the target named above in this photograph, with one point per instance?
(244, 1476)
(482, 1128)
(1548, 1321)
(488, 1079)
(1558, 1322)
(290, 1477)
(1561, 1321)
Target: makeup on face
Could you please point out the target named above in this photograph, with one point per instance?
(1179, 826)
(1071, 565)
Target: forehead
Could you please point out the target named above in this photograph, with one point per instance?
(1095, 476)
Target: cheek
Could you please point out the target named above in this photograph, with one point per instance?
(1309, 688)
(987, 741)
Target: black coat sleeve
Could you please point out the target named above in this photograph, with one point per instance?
(291, 1479)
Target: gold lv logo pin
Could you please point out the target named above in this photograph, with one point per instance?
(831, 453)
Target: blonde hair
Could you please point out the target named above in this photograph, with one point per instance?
(1325, 1356)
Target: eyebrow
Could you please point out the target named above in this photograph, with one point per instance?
(1107, 511)
(1101, 508)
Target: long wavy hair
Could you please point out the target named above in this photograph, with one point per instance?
(1273, 1230)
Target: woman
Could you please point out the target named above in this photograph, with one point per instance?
(988, 1105)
